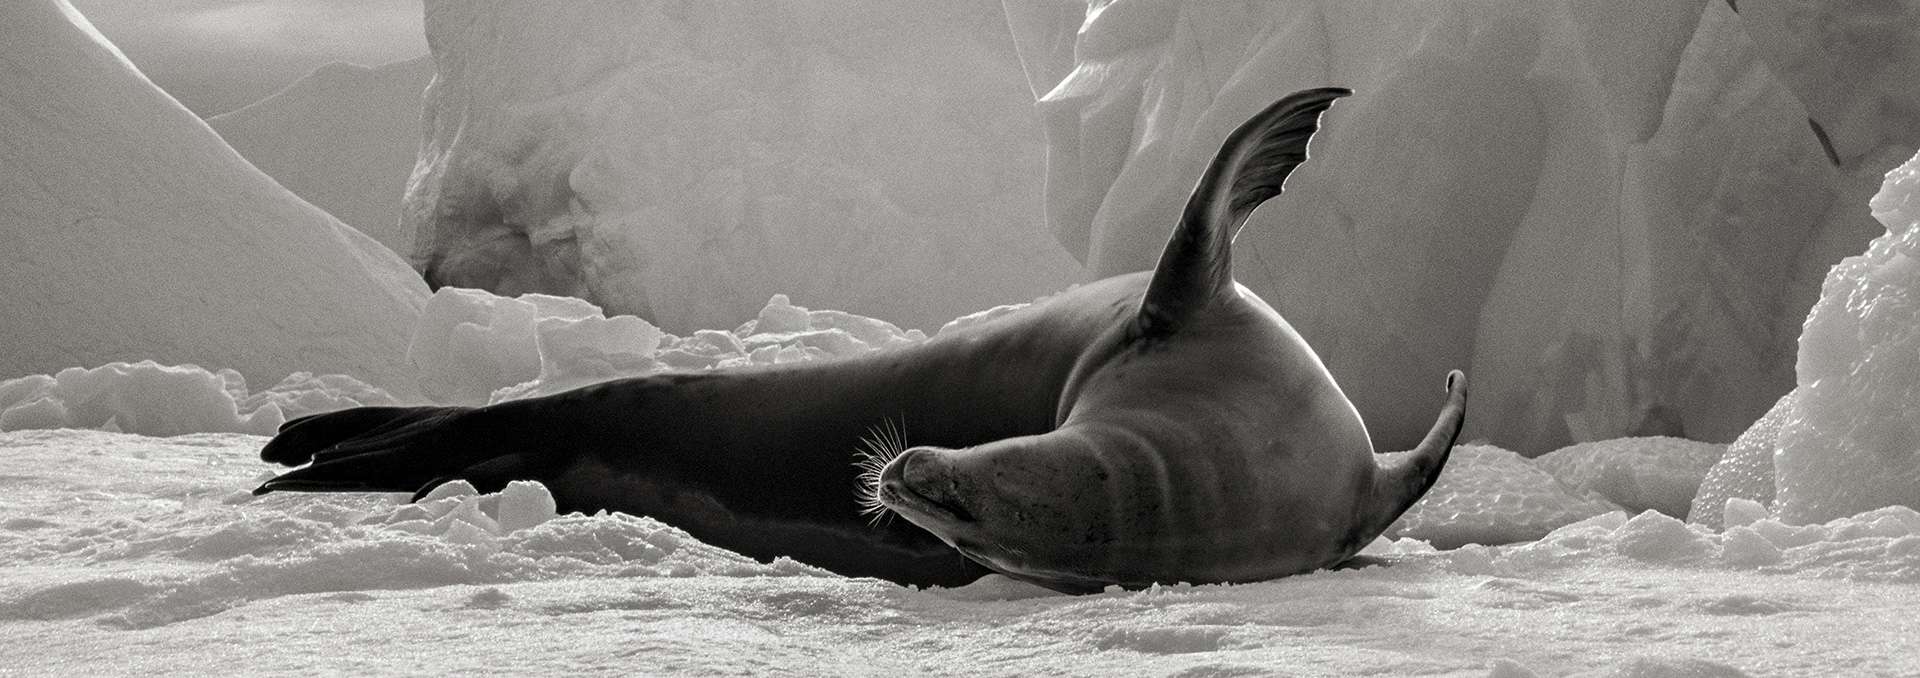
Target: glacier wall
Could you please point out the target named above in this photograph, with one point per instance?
(342, 138)
(684, 161)
(1613, 215)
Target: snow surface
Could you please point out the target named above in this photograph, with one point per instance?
(684, 162)
(1614, 215)
(129, 554)
(342, 138)
(134, 233)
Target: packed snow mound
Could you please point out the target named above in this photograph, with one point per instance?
(1746, 471)
(470, 347)
(343, 138)
(1654, 473)
(684, 163)
(1487, 495)
(469, 342)
(1612, 215)
(1876, 545)
(474, 347)
(169, 400)
(1851, 441)
(134, 232)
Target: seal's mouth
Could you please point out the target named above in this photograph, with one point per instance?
(899, 497)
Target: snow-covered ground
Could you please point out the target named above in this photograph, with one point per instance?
(126, 554)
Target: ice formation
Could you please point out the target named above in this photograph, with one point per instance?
(684, 161)
(134, 233)
(1487, 495)
(1745, 471)
(342, 138)
(1638, 474)
(473, 347)
(1852, 65)
(470, 343)
(1612, 215)
(169, 400)
(1851, 438)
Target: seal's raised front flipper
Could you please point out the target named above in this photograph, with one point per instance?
(1251, 167)
(402, 449)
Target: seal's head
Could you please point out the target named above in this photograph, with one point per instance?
(1011, 507)
(1199, 440)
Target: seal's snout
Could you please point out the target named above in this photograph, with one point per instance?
(922, 481)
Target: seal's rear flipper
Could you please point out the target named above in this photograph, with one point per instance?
(1251, 167)
(402, 449)
(300, 439)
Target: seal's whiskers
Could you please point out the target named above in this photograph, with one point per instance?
(882, 443)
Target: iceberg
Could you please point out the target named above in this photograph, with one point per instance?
(342, 138)
(135, 233)
(684, 163)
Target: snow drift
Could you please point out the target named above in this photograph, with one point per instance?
(1613, 215)
(685, 161)
(134, 233)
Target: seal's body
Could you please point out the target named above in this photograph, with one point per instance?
(1165, 426)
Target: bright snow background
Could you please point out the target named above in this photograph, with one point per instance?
(124, 552)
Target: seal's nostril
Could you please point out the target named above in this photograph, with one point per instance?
(919, 468)
(894, 474)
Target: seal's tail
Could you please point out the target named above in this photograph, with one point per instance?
(1403, 480)
(397, 449)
